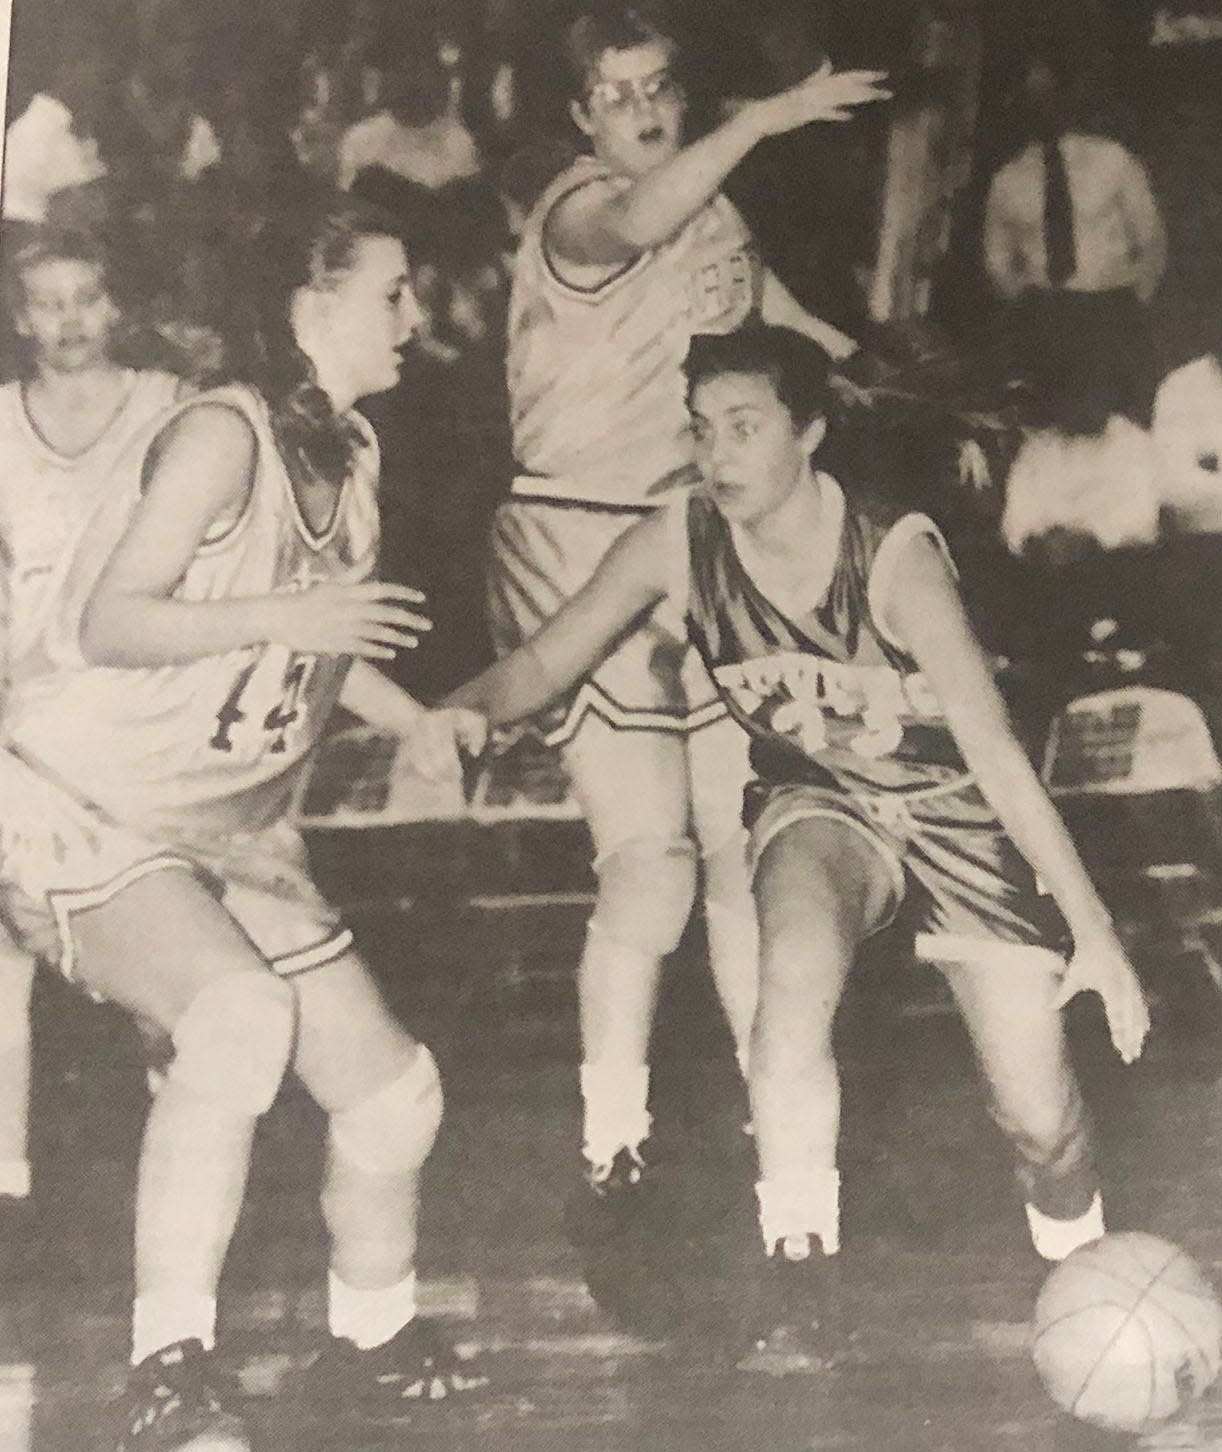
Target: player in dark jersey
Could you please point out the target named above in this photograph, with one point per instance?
(885, 766)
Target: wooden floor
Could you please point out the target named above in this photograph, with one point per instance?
(940, 1277)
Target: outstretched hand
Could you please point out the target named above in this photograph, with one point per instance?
(825, 95)
(439, 739)
(1100, 965)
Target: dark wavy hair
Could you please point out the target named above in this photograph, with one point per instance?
(601, 25)
(795, 366)
(312, 243)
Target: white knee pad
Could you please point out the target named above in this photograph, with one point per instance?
(646, 886)
(233, 1042)
(392, 1131)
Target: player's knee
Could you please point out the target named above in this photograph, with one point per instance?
(392, 1130)
(646, 887)
(234, 1041)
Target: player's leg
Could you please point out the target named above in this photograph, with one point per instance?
(719, 770)
(164, 949)
(822, 886)
(633, 789)
(16, 983)
(1006, 996)
(382, 1095)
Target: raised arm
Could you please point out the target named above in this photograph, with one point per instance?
(633, 577)
(198, 481)
(781, 309)
(610, 224)
(923, 610)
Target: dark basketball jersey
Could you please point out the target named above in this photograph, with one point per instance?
(827, 696)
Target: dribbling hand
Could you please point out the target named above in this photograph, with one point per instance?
(1100, 965)
(825, 95)
(372, 619)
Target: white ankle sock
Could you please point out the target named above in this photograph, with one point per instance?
(369, 1318)
(795, 1205)
(161, 1319)
(15, 1179)
(615, 1097)
(1055, 1239)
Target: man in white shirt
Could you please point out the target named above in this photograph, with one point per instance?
(1073, 240)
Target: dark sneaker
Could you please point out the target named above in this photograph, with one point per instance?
(798, 1320)
(173, 1401)
(386, 1382)
(625, 1239)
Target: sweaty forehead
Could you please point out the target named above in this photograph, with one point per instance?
(633, 64)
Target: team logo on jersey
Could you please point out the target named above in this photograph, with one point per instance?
(821, 704)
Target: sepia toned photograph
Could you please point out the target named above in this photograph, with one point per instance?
(611, 730)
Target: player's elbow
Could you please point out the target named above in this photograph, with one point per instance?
(101, 636)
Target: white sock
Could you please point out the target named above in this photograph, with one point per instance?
(161, 1319)
(615, 1097)
(1055, 1239)
(369, 1318)
(15, 1179)
(792, 1206)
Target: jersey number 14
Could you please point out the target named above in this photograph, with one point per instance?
(274, 725)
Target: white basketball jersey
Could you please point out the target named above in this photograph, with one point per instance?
(595, 375)
(47, 498)
(214, 744)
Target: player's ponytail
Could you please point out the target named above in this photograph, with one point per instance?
(314, 245)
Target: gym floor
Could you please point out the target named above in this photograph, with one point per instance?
(940, 1279)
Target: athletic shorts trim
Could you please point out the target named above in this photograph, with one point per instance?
(592, 699)
(64, 902)
(963, 950)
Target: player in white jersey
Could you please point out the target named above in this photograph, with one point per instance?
(64, 424)
(627, 255)
(217, 609)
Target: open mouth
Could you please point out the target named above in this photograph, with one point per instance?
(651, 135)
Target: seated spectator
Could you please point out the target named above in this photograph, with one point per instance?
(1187, 433)
(417, 137)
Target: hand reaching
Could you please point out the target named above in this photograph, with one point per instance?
(371, 619)
(438, 739)
(825, 95)
(1100, 965)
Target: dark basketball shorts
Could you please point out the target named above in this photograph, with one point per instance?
(942, 852)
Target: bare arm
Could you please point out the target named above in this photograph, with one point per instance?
(924, 611)
(379, 702)
(632, 577)
(612, 225)
(199, 483)
(203, 474)
(779, 307)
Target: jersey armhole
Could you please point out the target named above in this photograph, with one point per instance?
(224, 529)
(887, 558)
(598, 290)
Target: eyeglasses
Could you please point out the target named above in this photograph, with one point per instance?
(618, 97)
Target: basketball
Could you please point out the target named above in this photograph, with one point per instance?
(1127, 1332)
